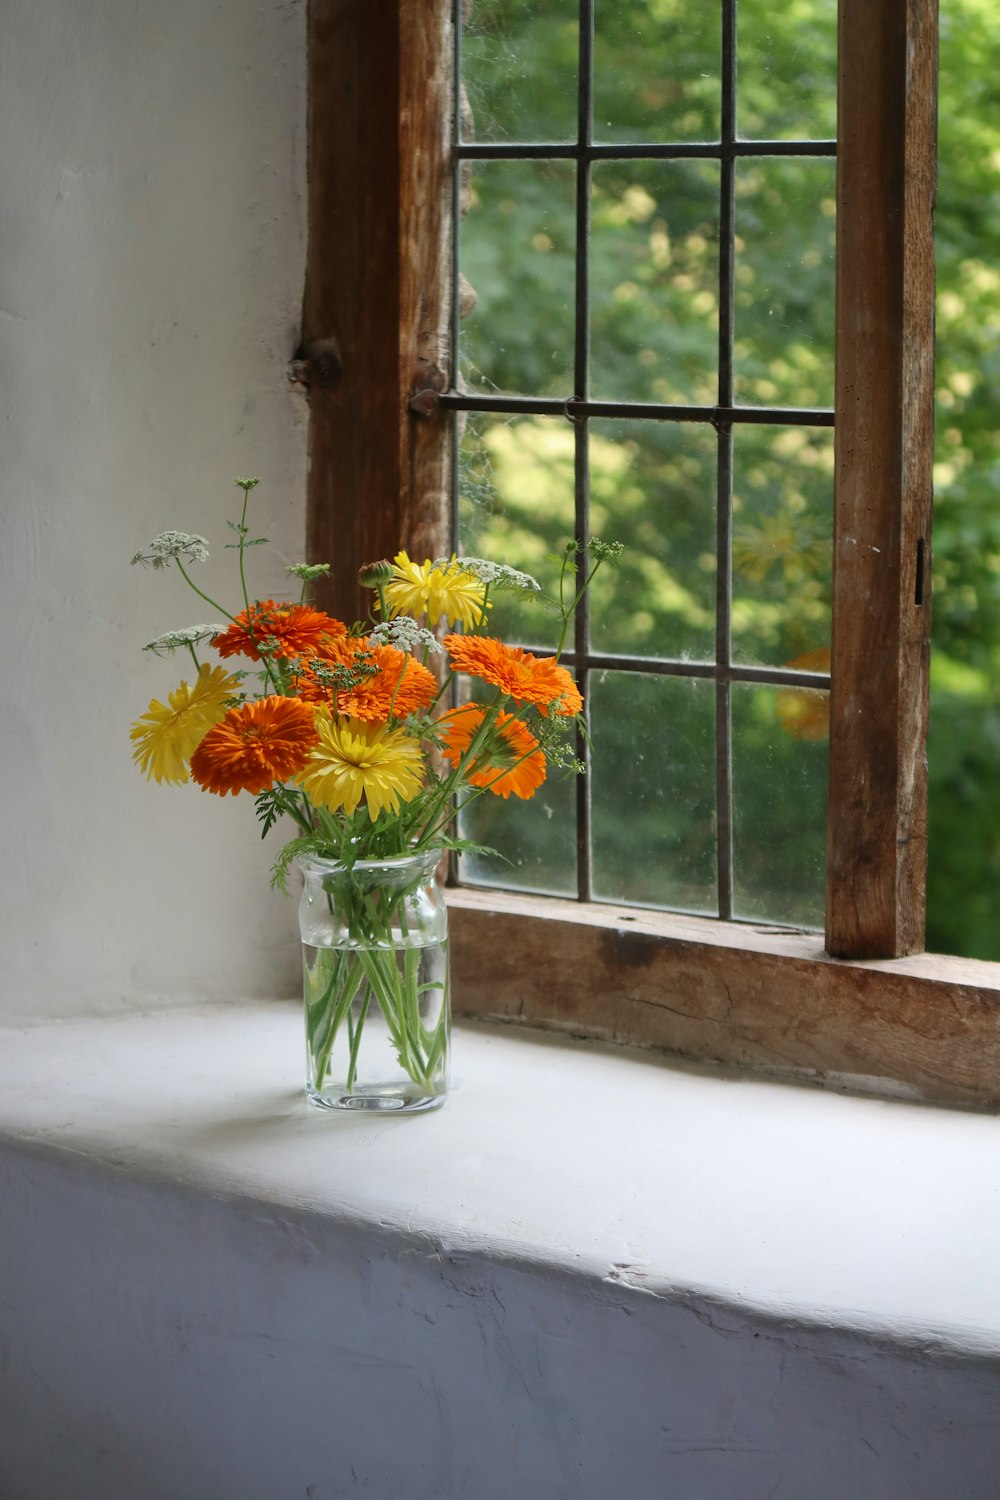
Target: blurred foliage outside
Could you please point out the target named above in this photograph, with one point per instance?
(654, 330)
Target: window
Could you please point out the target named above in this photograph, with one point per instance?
(653, 354)
(376, 353)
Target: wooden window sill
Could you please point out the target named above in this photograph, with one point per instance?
(925, 1027)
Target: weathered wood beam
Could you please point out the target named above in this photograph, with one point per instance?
(376, 302)
(877, 839)
(750, 998)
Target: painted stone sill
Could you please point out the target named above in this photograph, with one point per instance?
(684, 1184)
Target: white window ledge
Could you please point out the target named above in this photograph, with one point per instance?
(747, 1209)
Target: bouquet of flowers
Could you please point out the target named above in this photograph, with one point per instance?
(347, 733)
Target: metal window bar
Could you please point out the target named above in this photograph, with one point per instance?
(580, 409)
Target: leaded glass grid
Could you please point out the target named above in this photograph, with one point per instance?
(720, 679)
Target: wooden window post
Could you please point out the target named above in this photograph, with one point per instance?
(877, 845)
(376, 309)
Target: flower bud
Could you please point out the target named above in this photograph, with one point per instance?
(375, 573)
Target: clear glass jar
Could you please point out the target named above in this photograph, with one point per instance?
(375, 973)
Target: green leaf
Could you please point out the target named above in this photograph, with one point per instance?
(269, 809)
(469, 846)
(306, 843)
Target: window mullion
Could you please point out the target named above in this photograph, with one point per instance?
(877, 832)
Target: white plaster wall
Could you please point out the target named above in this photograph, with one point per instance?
(591, 1276)
(184, 1348)
(151, 267)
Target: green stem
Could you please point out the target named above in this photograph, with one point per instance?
(243, 534)
(201, 593)
(567, 613)
(382, 973)
(268, 674)
(452, 783)
(344, 982)
(288, 806)
(384, 969)
(449, 678)
(356, 1040)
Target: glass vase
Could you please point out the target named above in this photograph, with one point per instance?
(375, 972)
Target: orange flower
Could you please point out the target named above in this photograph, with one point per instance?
(510, 761)
(380, 672)
(254, 746)
(525, 678)
(297, 630)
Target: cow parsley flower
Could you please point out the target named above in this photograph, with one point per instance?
(405, 634)
(174, 640)
(171, 545)
(496, 575)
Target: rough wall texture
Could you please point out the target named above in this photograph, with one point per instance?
(152, 161)
(163, 1344)
(591, 1275)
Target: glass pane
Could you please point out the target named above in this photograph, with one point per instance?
(537, 837)
(518, 247)
(963, 748)
(654, 281)
(779, 803)
(652, 486)
(519, 67)
(516, 506)
(785, 221)
(782, 546)
(653, 790)
(787, 70)
(656, 71)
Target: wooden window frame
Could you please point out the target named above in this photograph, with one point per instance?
(375, 340)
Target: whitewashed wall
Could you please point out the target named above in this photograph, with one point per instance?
(152, 225)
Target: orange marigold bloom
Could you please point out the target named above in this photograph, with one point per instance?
(392, 680)
(414, 687)
(296, 630)
(525, 678)
(510, 761)
(254, 746)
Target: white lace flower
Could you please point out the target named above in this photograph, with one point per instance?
(497, 575)
(163, 549)
(174, 640)
(405, 634)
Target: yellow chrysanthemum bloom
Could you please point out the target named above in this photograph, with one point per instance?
(451, 591)
(166, 737)
(354, 760)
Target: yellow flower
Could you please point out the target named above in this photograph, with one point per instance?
(355, 760)
(166, 737)
(448, 590)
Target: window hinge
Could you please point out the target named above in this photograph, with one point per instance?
(316, 364)
(425, 403)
